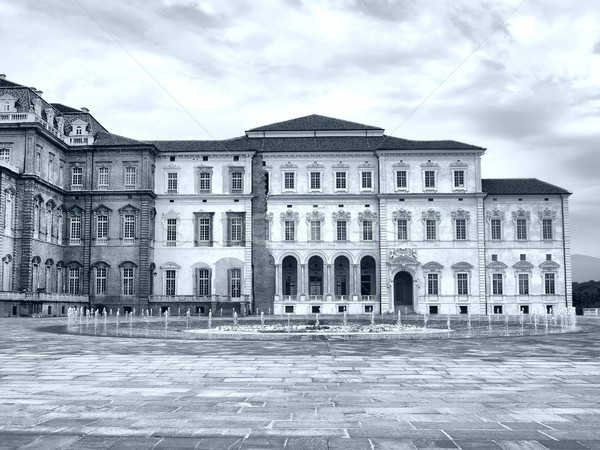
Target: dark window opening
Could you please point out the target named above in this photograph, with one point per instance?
(316, 309)
(433, 309)
(289, 309)
(463, 309)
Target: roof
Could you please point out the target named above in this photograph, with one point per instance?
(234, 144)
(315, 122)
(6, 83)
(108, 139)
(515, 186)
(65, 109)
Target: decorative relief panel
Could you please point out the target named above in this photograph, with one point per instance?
(290, 215)
(430, 164)
(315, 215)
(461, 214)
(459, 163)
(431, 214)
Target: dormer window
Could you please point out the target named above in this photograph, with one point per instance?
(78, 130)
(7, 103)
(5, 106)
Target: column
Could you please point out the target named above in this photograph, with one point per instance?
(278, 276)
(355, 282)
(303, 281)
(328, 280)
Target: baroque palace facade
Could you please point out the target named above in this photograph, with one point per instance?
(310, 215)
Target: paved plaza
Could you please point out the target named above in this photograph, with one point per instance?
(84, 392)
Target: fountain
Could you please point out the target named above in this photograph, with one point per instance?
(425, 321)
(399, 321)
(345, 319)
(317, 321)
(262, 318)
(448, 322)
(210, 319)
(235, 319)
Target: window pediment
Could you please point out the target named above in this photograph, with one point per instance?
(290, 215)
(547, 213)
(549, 266)
(430, 165)
(315, 215)
(431, 214)
(341, 215)
(521, 214)
(497, 266)
(401, 165)
(102, 209)
(128, 264)
(100, 265)
(341, 165)
(459, 163)
(523, 266)
(432, 266)
(462, 266)
(402, 214)
(495, 214)
(129, 208)
(367, 215)
(315, 165)
(461, 214)
(170, 265)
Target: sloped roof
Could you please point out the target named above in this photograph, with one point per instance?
(235, 144)
(104, 138)
(7, 83)
(65, 109)
(314, 122)
(515, 186)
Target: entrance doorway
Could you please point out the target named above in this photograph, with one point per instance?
(403, 290)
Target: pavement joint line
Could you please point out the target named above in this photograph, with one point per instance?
(547, 435)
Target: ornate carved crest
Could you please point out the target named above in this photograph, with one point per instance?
(461, 214)
(403, 252)
(549, 266)
(315, 214)
(290, 215)
(547, 213)
(494, 214)
(341, 215)
(430, 164)
(459, 163)
(402, 214)
(269, 217)
(432, 266)
(367, 215)
(431, 214)
(523, 266)
(521, 214)
(462, 266)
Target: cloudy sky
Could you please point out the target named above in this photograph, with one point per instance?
(521, 78)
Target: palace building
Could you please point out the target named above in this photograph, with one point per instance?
(309, 215)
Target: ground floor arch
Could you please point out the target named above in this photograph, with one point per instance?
(403, 290)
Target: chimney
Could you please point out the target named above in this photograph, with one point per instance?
(38, 92)
(84, 109)
(2, 76)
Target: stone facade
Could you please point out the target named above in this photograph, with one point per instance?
(310, 215)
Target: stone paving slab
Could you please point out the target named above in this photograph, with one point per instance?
(92, 392)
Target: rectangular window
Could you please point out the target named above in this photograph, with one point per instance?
(103, 178)
(496, 228)
(523, 284)
(38, 162)
(401, 179)
(5, 154)
(75, 232)
(547, 229)
(290, 230)
(497, 285)
(367, 230)
(461, 229)
(204, 282)
(267, 230)
(341, 227)
(402, 229)
(462, 283)
(235, 286)
(340, 180)
(172, 183)
(204, 182)
(130, 177)
(101, 280)
(74, 281)
(315, 230)
(289, 181)
(430, 179)
(459, 178)
(315, 181)
(236, 182)
(236, 228)
(101, 229)
(432, 284)
(128, 281)
(549, 286)
(367, 180)
(171, 232)
(204, 232)
(170, 282)
(128, 228)
(521, 229)
(431, 229)
(76, 178)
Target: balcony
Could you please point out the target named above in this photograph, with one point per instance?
(42, 296)
(214, 298)
(30, 117)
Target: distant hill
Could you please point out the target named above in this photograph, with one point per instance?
(585, 268)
